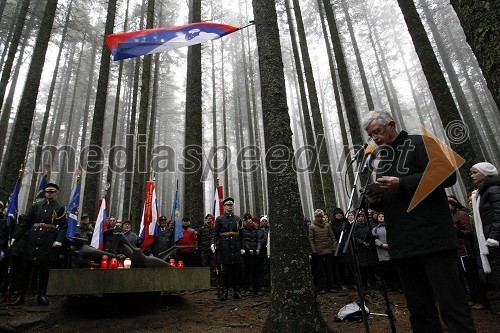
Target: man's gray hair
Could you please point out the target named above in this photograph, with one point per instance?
(318, 212)
(383, 118)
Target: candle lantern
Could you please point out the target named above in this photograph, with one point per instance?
(127, 263)
(172, 262)
(180, 264)
(104, 262)
(113, 264)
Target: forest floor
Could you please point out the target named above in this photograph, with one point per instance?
(198, 312)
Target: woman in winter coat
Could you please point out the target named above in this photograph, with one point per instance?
(322, 241)
(486, 210)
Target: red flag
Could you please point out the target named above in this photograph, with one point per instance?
(149, 220)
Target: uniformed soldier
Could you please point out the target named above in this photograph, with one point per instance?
(45, 226)
(226, 243)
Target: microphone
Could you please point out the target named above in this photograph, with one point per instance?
(359, 153)
(371, 153)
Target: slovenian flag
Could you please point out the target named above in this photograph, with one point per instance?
(218, 207)
(149, 221)
(126, 45)
(72, 211)
(97, 238)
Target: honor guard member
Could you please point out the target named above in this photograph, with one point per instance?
(226, 243)
(46, 226)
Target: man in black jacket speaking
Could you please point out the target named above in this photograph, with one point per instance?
(420, 233)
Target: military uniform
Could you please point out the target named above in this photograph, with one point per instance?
(226, 237)
(45, 224)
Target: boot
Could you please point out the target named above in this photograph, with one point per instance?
(19, 299)
(223, 297)
(42, 300)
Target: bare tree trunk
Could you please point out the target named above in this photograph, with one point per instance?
(27, 105)
(445, 104)
(292, 294)
(93, 179)
(345, 84)
(312, 154)
(321, 143)
(479, 20)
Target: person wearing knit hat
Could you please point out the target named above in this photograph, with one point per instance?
(486, 210)
(486, 168)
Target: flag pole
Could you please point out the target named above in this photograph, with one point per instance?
(250, 23)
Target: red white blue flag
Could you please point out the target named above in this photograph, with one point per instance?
(218, 207)
(131, 44)
(97, 237)
(149, 221)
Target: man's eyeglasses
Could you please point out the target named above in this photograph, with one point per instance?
(377, 131)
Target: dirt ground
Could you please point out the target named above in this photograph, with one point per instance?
(196, 312)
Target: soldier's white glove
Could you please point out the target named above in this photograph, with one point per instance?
(2, 255)
(11, 242)
(242, 252)
(212, 247)
(492, 242)
(57, 244)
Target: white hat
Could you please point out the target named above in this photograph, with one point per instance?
(264, 217)
(486, 168)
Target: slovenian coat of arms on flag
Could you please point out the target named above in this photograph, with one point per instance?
(131, 44)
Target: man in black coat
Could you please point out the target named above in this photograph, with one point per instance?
(46, 226)
(421, 240)
(226, 243)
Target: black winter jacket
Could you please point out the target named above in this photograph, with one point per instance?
(489, 206)
(428, 227)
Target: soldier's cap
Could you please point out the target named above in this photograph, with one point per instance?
(247, 216)
(85, 216)
(228, 200)
(163, 218)
(51, 187)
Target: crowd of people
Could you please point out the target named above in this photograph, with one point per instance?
(435, 251)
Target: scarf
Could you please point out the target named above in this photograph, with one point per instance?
(483, 249)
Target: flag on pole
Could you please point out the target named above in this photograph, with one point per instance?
(131, 44)
(149, 221)
(40, 192)
(176, 217)
(218, 206)
(73, 210)
(97, 238)
(13, 203)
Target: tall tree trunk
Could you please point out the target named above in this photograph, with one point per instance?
(11, 31)
(359, 61)
(116, 112)
(93, 179)
(345, 84)
(445, 104)
(292, 294)
(463, 104)
(336, 92)
(312, 153)
(7, 69)
(479, 19)
(27, 105)
(141, 169)
(321, 143)
(193, 186)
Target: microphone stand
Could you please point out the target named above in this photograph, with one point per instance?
(353, 259)
(349, 244)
